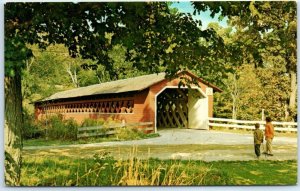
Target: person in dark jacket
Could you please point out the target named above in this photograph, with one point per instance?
(258, 139)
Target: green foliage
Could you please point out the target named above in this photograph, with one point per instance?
(249, 90)
(31, 129)
(275, 85)
(89, 122)
(127, 133)
(15, 55)
(87, 77)
(265, 36)
(122, 68)
(150, 29)
(42, 75)
(57, 128)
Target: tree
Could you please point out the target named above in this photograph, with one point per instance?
(264, 28)
(15, 56)
(121, 67)
(159, 38)
(243, 95)
(275, 84)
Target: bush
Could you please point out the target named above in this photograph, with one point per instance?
(59, 128)
(72, 127)
(126, 133)
(92, 122)
(54, 127)
(31, 129)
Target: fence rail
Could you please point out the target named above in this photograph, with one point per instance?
(110, 129)
(232, 123)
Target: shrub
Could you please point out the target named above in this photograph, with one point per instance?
(127, 133)
(58, 128)
(72, 127)
(62, 129)
(31, 129)
(92, 122)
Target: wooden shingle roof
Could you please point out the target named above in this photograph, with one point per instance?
(119, 86)
(126, 85)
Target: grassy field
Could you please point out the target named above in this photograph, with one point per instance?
(102, 170)
(124, 165)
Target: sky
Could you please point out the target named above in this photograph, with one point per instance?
(186, 7)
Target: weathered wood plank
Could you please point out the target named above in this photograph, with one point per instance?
(139, 124)
(99, 127)
(148, 128)
(82, 132)
(114, 126)
(111, 132)
(183, 117)
(181, 93)
(169, 118)
(164, 119)
(95, 134)
(175, 117)
(167, 97)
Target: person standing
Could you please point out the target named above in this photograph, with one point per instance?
(269, 135)
(258, 139)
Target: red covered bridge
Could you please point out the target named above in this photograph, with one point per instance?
(148, 98)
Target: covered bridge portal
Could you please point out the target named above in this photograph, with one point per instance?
(148, 98)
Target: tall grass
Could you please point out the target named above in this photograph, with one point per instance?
(56, 128)
(136, 172)
(103, 170)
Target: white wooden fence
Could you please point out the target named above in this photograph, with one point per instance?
(243, 124)
(111, 129)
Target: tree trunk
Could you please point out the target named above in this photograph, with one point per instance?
(13, 129)
(73, 77)
(234, 112)
(234, 96)
(286, 112)
(292, 101)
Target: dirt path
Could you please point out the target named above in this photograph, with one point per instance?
(185, 144)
